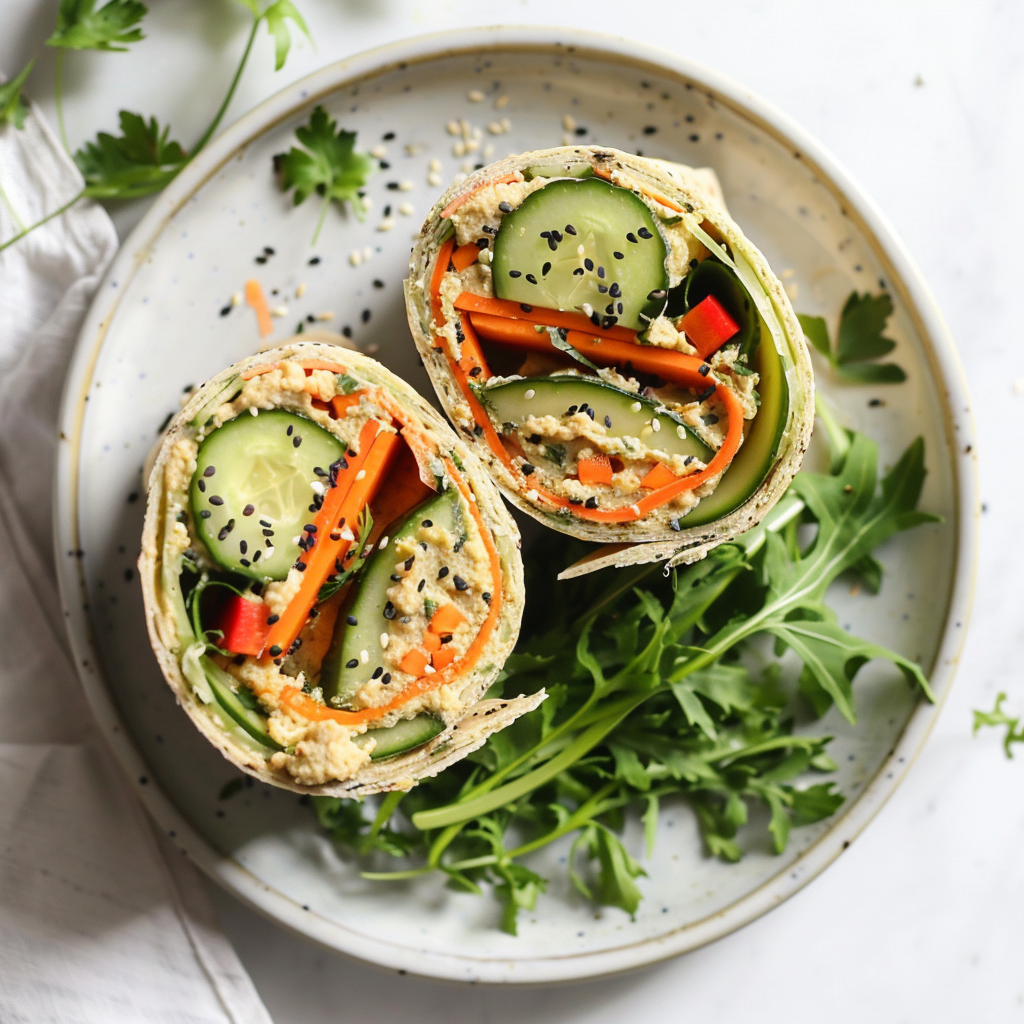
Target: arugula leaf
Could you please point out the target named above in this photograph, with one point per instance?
(139, 161)
(13, 108)
(328, 166)
(997, 717)
(80, 27)
(860, 339)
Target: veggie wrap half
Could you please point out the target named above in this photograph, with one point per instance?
(331, 580)
(614, 348)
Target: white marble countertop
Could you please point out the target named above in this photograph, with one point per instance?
(920, 919)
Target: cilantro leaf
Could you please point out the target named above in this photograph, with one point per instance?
(860, 340)
(997, 717)
(328, 165)
(139, 161)
(80, 27)
(13, 108)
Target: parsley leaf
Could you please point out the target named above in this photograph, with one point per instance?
(997, 717)
(860, 340)
(139, 161)
(328, 166)
(13, 108)
(80, 27)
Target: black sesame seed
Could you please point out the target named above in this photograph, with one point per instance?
(389, 611)
(352, 663)
(688, 460)
(552, 244)
(615, 291)
(600, 272)
(486, 596)
(347, 331)
(505, 207)
(460, 583)
(588, 263)
(395, 578)
(225, 530)
(365, 316)
(525, 308)
(442, 572)
(658, 293)
(705, 395)
(603, 289)
(393, 186)
(261, 259)
(578, 272)
(209, 471)
(476, 371)
(557, 236)
(571, 410)
(531, 279)
(619, 307)
(428, 523)
(527, 469)
(256, 556)
(301, 566)
(704, 370)
(201, 484)
(245, 562)
(422, 583)
(534, 439)
(409, 561)
(205, 514)
(388, 136)
(482, 243)
(386, 678)
(644, 233)
(242, 546)
(290, 430)
(275, 650)
(569, 229)
(297, 440)
(225, 310)
(216, 499)
(590, 503)
(378, 283)
(248, 510)
(590, 413)
(268, 533)
(376, 672)
(650, 129)
(630, 237)
(314, 260)
(544, 270)
(607, 421)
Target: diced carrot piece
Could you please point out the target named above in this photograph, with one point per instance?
(443, 658)
(708, 326)
(318, 404)
(595, 469)
(446, 619)
(340, 404)
(414, 663)
(465, 256)
(659, 476)
(431, 642)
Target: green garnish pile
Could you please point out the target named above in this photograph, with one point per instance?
(658, 692)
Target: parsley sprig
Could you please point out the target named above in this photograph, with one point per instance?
(661, 694)
(142, 159)
(998, 717)
(859, 341)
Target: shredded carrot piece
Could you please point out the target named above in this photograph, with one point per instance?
(465, 256)
(254, 297)
(505, 179)
(442, 658)
(597, 469)
(470, 303)
(446, 619)
(659, 476)
(414, 663)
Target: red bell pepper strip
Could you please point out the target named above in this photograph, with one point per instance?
(708, 326)
(243, 623)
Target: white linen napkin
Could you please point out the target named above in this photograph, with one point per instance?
(101, 920)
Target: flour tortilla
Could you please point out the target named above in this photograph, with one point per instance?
(695, 190)
(467, 729)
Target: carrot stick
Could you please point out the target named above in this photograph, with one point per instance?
(345, 501)
(440, 269)
(505, 179)
(465, 256)
(254, 297)
(597, 469)
(470, 303)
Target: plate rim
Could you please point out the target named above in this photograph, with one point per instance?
(903, 277)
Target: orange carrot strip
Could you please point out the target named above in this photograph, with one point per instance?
(414, 663)
(470, 303)
(465, 256)
(442, 658)
(295, 700)
(471, 357)
(431, 642)
(597, 469)
(254, 297)
(446, 619)
(344, 501)
(659, 476)
(444, 257)
(340, 404)
(505, 179)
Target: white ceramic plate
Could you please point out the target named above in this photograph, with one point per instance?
(157, 327)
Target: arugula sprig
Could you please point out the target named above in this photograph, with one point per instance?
(860, 339)
(998, 717)
(13, 108)
(328, 165)
(658, 699)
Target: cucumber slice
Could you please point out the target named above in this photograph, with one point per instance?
(621, 274)
(235, 704)
(344, 671)
(252, 491)
(758, 452)
(400, 737)
(628, 414)
(566, 170)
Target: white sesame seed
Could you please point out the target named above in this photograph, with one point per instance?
(347, 534)
(506, 124)
(459, 149)
(386, 224)
(380, 152)
(635, 509)
(485, 256)
(364, 656)
(532, 495)
(355, 257)
(236, 299)
(566, 140)
(655, 424)
(361, 475)
(253, 410)
(568, 123)
(496, 128)
(300, 291)
(487, 152)
(588, 309)
(636, 406)
(327, 314)
(384, 641)
(467, 166)
(318, 488)
(279, 311)
(453, 128)
(367, 202)
(434, 165)
(406, 209)
(428, 670)
(433, 179)
(580, 250)
(529, 393)
(383, 543)
(681, 432)
(405, 186)
(475, 96)
(412, 148)
(501, 101)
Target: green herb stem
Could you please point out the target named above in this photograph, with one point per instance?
(58, 96)
(39, 223)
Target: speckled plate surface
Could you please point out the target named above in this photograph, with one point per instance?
(163, 321)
